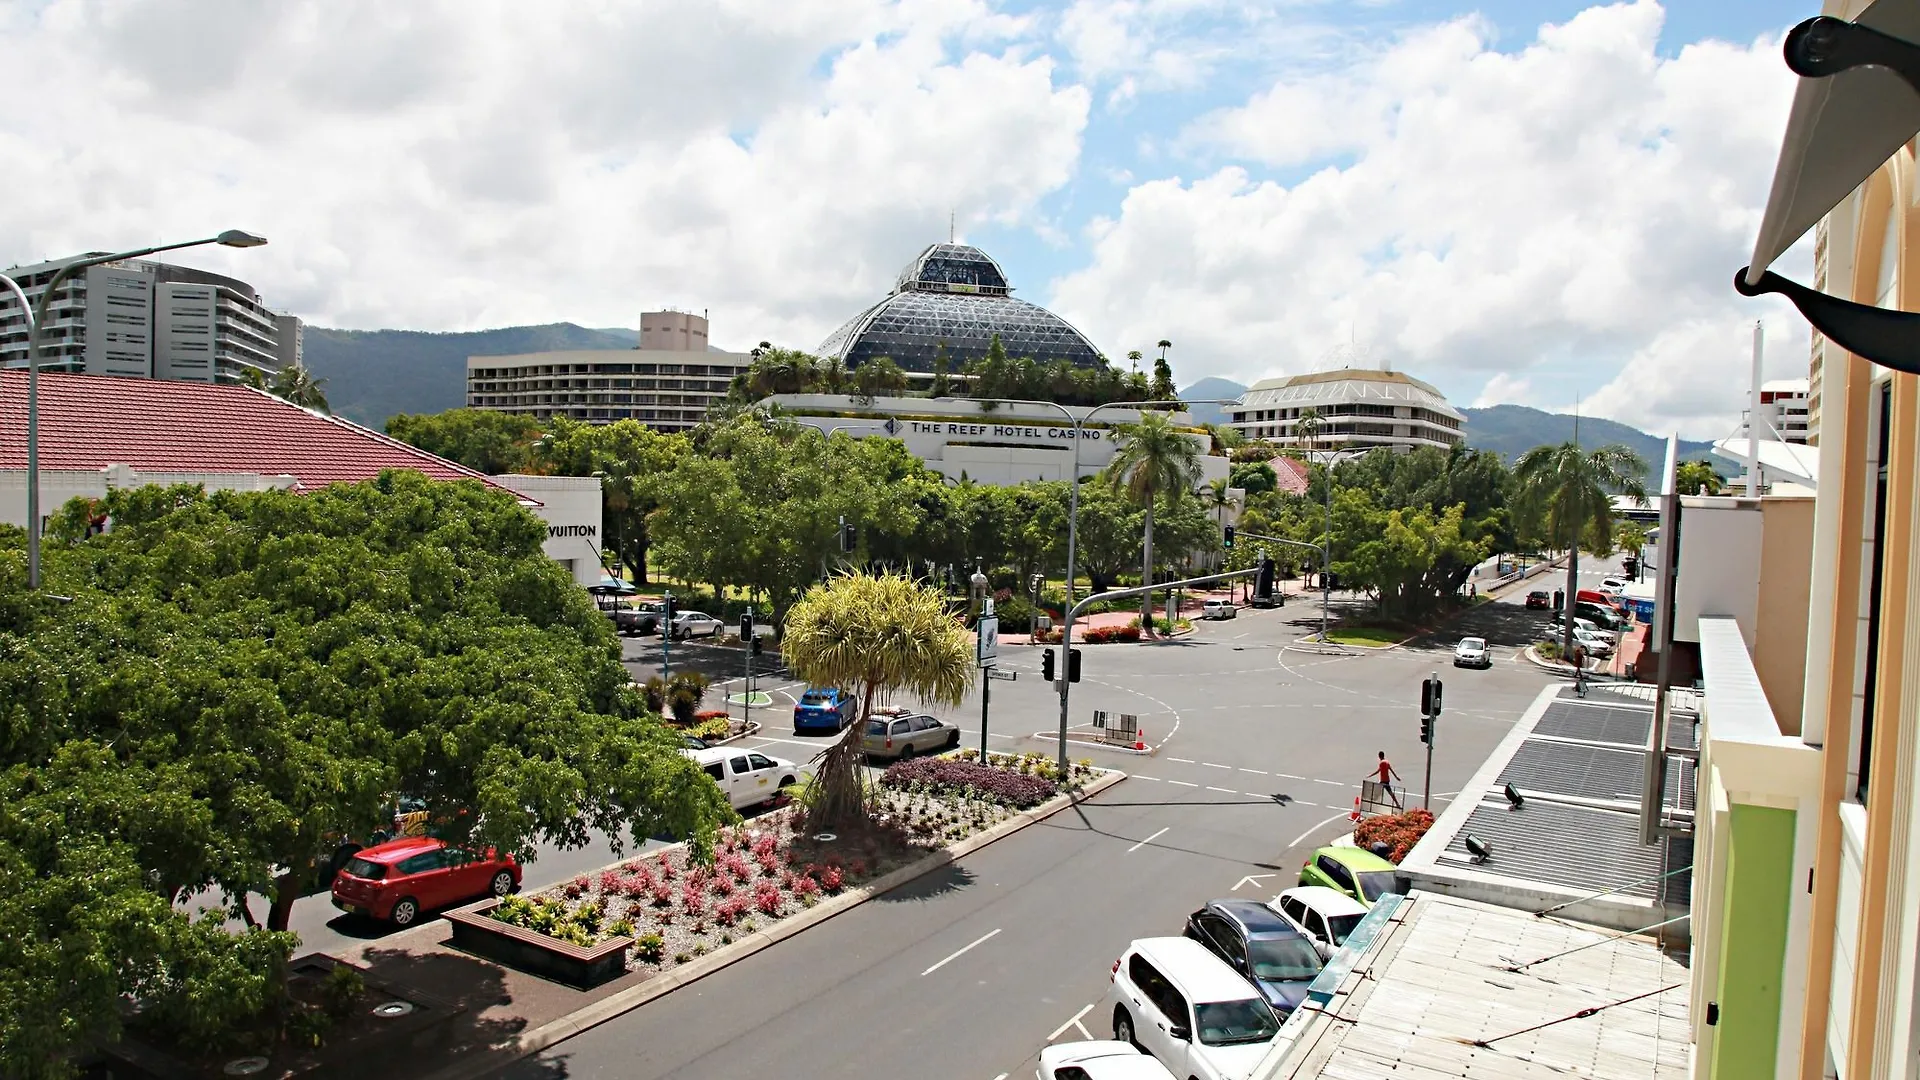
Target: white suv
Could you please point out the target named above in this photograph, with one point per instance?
(1325, 915)
(1189, 1009)
(1218, 609)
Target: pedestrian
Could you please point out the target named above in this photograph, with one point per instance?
(1387, 775)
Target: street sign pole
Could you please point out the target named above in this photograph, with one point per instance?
(986, 694)
(666, 639)
(987, 651)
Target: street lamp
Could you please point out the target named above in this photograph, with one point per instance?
(1073, 510)
(980, 584)
(36, 319)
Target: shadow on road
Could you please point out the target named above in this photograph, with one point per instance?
(486, 1022)
(950, 878)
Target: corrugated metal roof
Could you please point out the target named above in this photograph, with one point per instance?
(1576, 847)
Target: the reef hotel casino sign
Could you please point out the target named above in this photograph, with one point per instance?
(1039, 435)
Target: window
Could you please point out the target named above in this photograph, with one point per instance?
(1871, 690)
(1375, 884)
(737, 765)
(759, 762)
(1336, 872)
(1227, 1023)
(925, 723)
(1342, 927)
(1288, 958)
(1147, 978)
(1297, 911)
(366, 868)
(876, 727)
(424, 862)
(1070, 1072)
(902, 727)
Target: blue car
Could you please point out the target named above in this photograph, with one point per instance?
(1267, 950)
(830, 710)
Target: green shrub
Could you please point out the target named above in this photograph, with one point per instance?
(620, 928)
(718, 727)
(684, 693)
(650, 948)
(341, 991)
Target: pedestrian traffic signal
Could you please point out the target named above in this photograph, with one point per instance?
(746, 625)
(755, 647)
(666, 610)
(1426, 730)
(1229, 540)
(1263, 580)
(1046, 665)
(1430, 697)
(846, 537)
(1073, 665)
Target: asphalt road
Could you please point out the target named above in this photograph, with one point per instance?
(969, 973)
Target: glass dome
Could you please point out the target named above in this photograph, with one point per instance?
(955, 295)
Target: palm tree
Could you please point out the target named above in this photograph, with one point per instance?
(1154, 458)
(1213, 497)
(877, 635)
(297, 386)
(1133, 356)
(1572, 490)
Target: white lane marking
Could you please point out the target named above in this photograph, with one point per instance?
(1183, 760)
(982, 938)
(1182, 783)
(1147, 841)
(1303, 837)
(1084, 1033)
(1335, 783)
(1137, 776)
(1057, 1032)
(1211, 765)
(1002, 1076)
(1262, 772)
(1288, 776)
(1228, 790)
(1303, 802)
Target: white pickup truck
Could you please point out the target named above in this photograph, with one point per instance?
(747, 777)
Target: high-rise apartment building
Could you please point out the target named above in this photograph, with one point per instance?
(148, 320)
(1783, 408)
(667, 383)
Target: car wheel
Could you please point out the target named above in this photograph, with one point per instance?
(406, 911)
(502, 884)
(953, 738)
(1123, 1027)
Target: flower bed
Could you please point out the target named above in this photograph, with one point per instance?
(1398, 831)
(675, 909)
(1103, 635)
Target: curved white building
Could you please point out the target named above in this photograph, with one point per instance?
(1357, 407)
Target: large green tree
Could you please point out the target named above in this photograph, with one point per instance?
(1155, 458)
(483, 440)
(1572, 490)
(235, 684)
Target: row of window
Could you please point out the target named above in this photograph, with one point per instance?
(499, 401)
(521, 387)
(1243, 416)
(534, 371)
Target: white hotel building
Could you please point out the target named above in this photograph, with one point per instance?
(1360, 408)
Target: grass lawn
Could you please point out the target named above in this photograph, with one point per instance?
(1365, 635)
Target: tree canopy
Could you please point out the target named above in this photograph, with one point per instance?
(217, 692)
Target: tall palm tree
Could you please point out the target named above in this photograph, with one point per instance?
(878, 635)
(1155, 458)
(1213, 497)
(298, 386)
(1572, 491)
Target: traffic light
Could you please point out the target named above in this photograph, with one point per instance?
(746, 625)
(846, 536)
(1263, 581)
(755, 647)
(1426, 730)
(1073, 665)
(666, 610)
(1047, 668)
(1229, 540)
(1430, 697)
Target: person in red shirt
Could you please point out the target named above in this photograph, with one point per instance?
(1386, 774)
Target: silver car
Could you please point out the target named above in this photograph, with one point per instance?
(898, 733)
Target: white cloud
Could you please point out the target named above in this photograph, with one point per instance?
(1575, 206)
(473, 163)
(1504, 389)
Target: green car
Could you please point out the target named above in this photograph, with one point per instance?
(1358, 873)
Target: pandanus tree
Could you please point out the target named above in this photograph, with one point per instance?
(877, 635)
(1155, 458)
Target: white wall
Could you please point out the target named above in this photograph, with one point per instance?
(58, 486)
(571, 509)
(1719, 568)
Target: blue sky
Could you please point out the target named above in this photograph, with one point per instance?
(1536, 202)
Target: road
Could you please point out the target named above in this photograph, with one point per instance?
(970, 972)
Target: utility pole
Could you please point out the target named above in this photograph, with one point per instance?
(1429, 730)
(746, 651)
(666, 638)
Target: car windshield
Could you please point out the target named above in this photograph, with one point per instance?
(1224, 1023)
(1282, 959)
(1472, 643)
(1374, 884)
(366, 868)
(1341, 927)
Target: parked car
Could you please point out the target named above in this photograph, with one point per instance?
(693, 742)
(636, 618)
(746, 778)
(399, 880)
(1472, 652)
(1360, 874)
(1614, 586)
(1539, 599)
(1580, 624)
(825, 709)
(1606, 618)
(1186, 1007)
(1595, 643)
(897, 733)
(1218, 609)
(1100, 1059)
(692, 624)
(1264, 948)
(1325, 915)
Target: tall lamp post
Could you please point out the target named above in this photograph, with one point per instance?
(1073, 511)
(36, 321)
(1326, 549)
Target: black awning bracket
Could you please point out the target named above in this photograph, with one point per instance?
(1824, 46)
(1888, 338)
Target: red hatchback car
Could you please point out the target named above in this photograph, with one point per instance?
(399, 879)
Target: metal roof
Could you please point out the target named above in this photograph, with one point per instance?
(1347, 386)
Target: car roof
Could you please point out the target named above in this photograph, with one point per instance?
(1256, 918)
(1324, 900)
(1201, 976)
(1473, 640)
(405, 847)
(1104, 1059)
(1354, 858)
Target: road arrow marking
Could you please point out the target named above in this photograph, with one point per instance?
(1250, 879)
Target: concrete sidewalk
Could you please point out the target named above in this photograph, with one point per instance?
(1192, 601)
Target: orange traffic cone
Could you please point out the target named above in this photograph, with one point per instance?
(1140, 739)
(1355, 815)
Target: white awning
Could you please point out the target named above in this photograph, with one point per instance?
(1841, 129)
(1785, 461)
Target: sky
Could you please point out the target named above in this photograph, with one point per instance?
(1538, 202)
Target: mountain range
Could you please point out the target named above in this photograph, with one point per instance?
(373, 374)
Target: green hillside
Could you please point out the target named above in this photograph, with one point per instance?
(372, 374)
(1209, 388)
(1512, 430)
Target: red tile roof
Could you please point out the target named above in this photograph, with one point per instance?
(1291, 474)
(91, 421)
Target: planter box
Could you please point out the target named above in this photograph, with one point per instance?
(477, 932)
(424, 1028)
